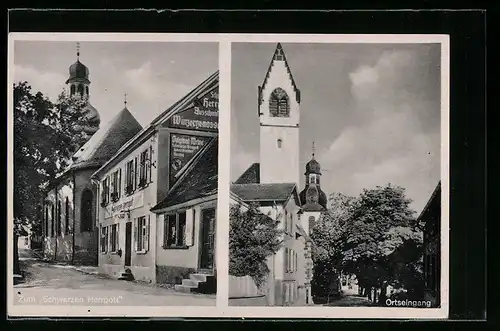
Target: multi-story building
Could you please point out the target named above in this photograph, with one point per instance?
(158, 196)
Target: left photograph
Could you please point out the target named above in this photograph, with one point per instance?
(114, 172)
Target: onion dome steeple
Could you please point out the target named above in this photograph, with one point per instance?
(78, 83)
(312, 197)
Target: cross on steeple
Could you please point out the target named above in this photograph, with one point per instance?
(78, 50)
(125, 100)
(313, 149)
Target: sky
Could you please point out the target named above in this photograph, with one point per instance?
(154, 75)
(372, 110)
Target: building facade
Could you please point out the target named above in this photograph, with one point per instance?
(158, 195)
(431, 216)
(69, 204)
(273, 185)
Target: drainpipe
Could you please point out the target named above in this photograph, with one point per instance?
(74, 214)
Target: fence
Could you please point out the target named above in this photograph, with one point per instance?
(244, 287)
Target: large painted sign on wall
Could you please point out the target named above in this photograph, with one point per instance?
(183, 148)
(127, 203)
(202, 116)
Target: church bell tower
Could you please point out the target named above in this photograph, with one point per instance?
(78, 83)
(313, 199)
(279, 114)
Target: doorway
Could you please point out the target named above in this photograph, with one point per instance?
(128, 243)
(207, 242)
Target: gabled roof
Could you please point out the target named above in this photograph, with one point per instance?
(278, 54)
(250, 176)
(280, 192)
(108, 139)
(434, 202)
(199, 182)
(180, 105)
(102, 145)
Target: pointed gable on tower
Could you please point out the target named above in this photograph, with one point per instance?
(278, 56)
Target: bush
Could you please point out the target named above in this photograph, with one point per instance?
(253, 237)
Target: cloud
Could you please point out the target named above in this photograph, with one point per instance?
(49, 83)
(389, 143)
(155, 86)
(241, 158)
(151, 83)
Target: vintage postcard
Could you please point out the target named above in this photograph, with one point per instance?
(228, 175)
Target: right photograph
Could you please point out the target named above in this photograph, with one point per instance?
(335, 193)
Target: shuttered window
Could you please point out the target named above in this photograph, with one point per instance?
(178, 229)
(141, 234)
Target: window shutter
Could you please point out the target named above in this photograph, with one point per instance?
(146, 240)
(117, 236)
(164, 220)
(136, 231)
(110, 238)
(189, 227)
(150, 161)
(146, 165)
(135, 174)
(120, 182)
(286, 259)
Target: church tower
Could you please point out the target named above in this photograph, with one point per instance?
(312, 198)
(78, 84)
(279, 113)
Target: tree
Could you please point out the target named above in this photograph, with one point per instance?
(45, 137)
(253, 237)
(380, 224)
(329, 236)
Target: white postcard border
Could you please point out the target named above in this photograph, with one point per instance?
(222, 309)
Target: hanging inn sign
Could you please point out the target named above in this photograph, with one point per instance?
(203, 115)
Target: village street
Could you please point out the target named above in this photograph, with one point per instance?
(57, 284)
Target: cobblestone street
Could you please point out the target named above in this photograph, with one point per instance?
(52, 284)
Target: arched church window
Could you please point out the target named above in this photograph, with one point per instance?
(87, 90)
(86, 211)
(313, 179)
(279, 142)
(73, 89)
(279, 105)
(80, 89)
